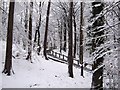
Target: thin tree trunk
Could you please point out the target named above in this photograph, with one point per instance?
(81, 38)
(8, 59)
(65, 34)
(26, 27)
(37, 32)
(46, 30)
(70, 40)
(60, 34)
(74, 35)
(30, 34)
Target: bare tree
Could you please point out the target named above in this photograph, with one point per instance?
(26, 26)
(37, 32)
(65, 29)
(46, 30)
(81, 38)
(97, 78)
(70, 40)
(30, 34)
(75, 35)
(8, 59)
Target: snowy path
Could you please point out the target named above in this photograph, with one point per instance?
(44, 74)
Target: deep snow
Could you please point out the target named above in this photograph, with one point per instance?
(41, 73)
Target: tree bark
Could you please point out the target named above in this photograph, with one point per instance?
(81, 39)
(70, 40)
(26, 27)
(30, 34)
(65, 32)
(46, 30)
(97, 78)
(8, 59)
(119, 49)
(37, 32)
(75, 37)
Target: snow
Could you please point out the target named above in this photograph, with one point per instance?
(42, 74)
(0, 64)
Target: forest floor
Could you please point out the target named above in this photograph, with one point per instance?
(41, 73)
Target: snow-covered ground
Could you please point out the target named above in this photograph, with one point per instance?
(0, 64)
(42, 74)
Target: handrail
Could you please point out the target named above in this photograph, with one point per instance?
(62, 57)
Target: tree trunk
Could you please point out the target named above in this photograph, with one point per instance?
(119, 49)
(97, 78)
(8, 59)
(65, 34)
(75, 37)
(46, 30)
(70, 40)
(37, 32)
(81, 39)
(61, 37)
(30, 34)
(26, 27)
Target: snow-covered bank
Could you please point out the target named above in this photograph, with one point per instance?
(43, 74)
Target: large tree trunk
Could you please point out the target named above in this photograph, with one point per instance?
(81, 39)
(70, 40)
(119, 49)
(30, 34)
(8, 59)
(46, 30)
(97, 78)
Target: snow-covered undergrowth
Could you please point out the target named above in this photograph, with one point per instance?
(42, 73)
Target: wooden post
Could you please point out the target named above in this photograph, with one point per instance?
(63, 57)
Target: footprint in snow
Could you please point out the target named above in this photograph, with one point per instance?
(34, 85)
(41, 69)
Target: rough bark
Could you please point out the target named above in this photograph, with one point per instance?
(119, 49)
(97, 78)
(8, 58)
(70, 41)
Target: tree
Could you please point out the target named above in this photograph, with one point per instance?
(60, 33)
(70, 41)
(118, 47)
(8, 59)
(65, 29)
(30, 34)
(97, 41)
(26, 26)
(37, 32)
(81, 39)
(46, 30)
(75, 34)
